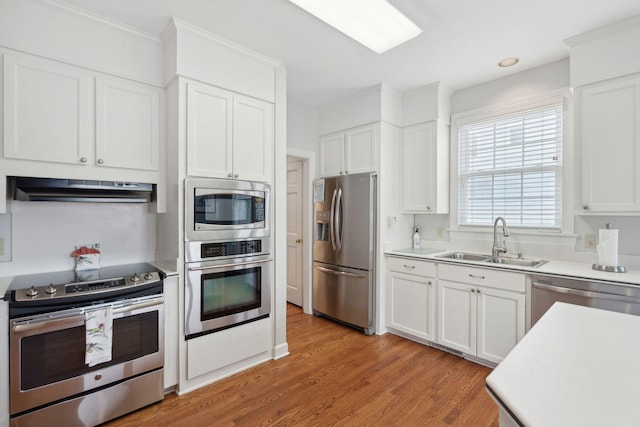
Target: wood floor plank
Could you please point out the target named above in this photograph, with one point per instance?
(336, 376)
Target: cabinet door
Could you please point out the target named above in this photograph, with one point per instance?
(127, 124)
(501, 321)
(209, 131)
(412, 305)
(457, 316)
(47, 111)
(361, 149)
(419, 156)
(609, 119)
(171, 331)
(253, 136)
(332, 155)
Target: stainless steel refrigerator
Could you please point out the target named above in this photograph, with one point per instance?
(344, 249)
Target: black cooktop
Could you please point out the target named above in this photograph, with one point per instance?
(71, 277)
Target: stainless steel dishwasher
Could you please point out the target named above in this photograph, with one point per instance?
(612, 296)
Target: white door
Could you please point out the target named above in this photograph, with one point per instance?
(209, 131)
(500, 322)
(294, 232)
(457, 316)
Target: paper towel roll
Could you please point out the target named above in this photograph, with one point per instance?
(608, 247)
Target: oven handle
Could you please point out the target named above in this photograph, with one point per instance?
(213, 267)
(76, 318)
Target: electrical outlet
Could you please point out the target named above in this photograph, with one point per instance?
(439, 231)
(590, 241)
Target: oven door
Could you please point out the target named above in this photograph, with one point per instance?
(47, 351)
(221, 294)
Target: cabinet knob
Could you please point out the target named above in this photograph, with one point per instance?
(341, 173)
(100, 161)
(429, 282)
(230, 175)
(346, 172)
(298, 240)
(586, 207)
(428, 208)
(472, 290)
(236, 176)
(83, 160)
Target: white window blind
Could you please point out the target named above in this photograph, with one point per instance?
(511, 166)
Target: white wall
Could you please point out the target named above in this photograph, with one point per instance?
(302, 126)
(45, 233)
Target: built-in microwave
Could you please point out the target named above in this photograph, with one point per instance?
(222, 209)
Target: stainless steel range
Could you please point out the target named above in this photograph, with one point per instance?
(52, 375)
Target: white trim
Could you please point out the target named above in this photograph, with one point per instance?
(309, 173)
(518, 106)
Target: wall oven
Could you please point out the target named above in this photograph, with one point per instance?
(226, 284)
(217, 209)
(50, 378)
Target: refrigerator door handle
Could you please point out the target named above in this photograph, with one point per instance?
(340, 273)
(331, 219)
(338, 222)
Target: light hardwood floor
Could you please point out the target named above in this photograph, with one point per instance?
(336, 376)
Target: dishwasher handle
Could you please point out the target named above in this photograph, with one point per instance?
(588, 294)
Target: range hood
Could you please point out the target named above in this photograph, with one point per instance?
(80, 190)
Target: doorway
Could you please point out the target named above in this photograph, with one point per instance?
(300, 173)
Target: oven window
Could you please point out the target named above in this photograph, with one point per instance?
(59, 355)
(230, 292)
(229, 209)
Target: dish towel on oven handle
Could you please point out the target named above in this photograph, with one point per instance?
(99, 328)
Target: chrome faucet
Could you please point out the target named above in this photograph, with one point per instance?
(497, 250)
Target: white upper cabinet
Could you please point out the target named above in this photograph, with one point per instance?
(228, 135)
(349, 152)
(47, 111)
(127, 124)
(253, 138)
(608, 125)
(426, 168)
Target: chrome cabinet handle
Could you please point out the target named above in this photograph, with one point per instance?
(230, 175)
(83, 160)
(586, 207)
(409, 266)
(100, 161)
(474, 276)
(236, 176)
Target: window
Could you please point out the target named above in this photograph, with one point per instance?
(511, 166)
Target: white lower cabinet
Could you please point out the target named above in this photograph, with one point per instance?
(171, 331)
(481, 311)
(411, 297)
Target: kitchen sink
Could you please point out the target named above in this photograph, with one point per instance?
(466, 256)
(516, 261)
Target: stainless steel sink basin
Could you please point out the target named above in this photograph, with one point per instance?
(465, 256)
(516, 261)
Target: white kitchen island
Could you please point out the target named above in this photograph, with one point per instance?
(577, 366)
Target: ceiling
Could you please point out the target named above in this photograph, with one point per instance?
(461, 43)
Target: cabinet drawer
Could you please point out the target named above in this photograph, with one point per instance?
(506, 280)
(411, 266)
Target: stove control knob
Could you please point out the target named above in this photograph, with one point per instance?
(32, 292)
(135, 278)
(148, 276)
(51, 290)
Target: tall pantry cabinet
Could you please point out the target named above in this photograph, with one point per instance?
(223, 120)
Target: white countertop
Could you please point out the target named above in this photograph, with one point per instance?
(578, 366)
(561, 268)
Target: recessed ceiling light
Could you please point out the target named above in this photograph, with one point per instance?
(508, 62)
(373, 23)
